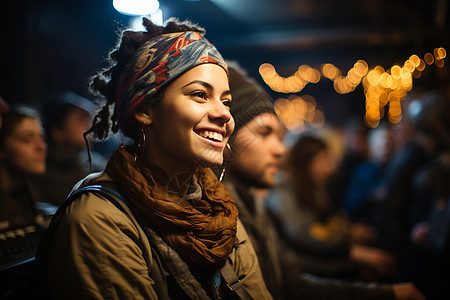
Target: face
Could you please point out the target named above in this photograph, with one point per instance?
(257, 150)
(321, 168)
(193, 123)
(25, 149)
(76, 123)
(381, 146)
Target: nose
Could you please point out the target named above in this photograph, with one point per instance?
(220, 112)
(279, 149)
(41, 145)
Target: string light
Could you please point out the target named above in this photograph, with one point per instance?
(383, 89)
(298, 113)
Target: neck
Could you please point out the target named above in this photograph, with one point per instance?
(180, 183)
(179, 178)
(9, 181)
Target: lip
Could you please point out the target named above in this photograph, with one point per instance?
(215, 144)
(273, 167)
(218, 130)
(40, 158)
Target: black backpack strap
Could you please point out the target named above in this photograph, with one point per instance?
(233, 281)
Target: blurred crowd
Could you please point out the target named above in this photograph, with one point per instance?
(377, 208)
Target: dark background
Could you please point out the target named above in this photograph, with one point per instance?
(49, 45)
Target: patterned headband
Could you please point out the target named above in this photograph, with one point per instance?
(158, 62)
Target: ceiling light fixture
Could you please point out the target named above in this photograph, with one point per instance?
(136, 7)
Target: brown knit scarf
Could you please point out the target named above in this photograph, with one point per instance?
(202, 230)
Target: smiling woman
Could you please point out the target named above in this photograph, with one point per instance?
(156, 223)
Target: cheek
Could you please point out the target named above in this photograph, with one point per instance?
(251, 158)
(230, 127)
(20, 157)
(176, 119)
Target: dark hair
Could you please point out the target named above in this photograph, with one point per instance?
(12, 119)
(297, 162)
(104, 83)
(59, 104)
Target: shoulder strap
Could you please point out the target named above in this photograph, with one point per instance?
(108, 192)
(233, 281)
(115, 197)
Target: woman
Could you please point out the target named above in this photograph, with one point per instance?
(170, 92)
(312, 222)
(22, 154)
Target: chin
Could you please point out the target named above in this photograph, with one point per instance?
(266, 182)
(37, 171)
(210, 158)
(210, 162)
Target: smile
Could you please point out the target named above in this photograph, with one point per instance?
(212, 135)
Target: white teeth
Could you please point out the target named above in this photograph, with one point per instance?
(212, 135)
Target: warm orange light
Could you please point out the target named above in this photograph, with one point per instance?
(416, 73)
(361, 68)
(330, 71)
(421, 66)
(374, 77)
(383, 90)
(313, 75)
(318, 120)
(439, 63)
(441, 53)
(267, 70)
(396, 71)
(409, 66)
(429, 58)
(415, 60)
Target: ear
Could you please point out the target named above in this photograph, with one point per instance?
(145, 118)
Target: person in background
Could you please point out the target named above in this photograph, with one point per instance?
(22, 154)
(176, 233)
(430, 234)
(414, 219)
(361, 198)
(402, 204)
(354, 134)
(254, 159)
(66, 116)
(312, 220)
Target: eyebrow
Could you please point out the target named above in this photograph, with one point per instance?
(208, 86)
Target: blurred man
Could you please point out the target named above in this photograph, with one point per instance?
(256, 150)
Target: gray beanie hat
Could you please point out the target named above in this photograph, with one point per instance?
(249, 98)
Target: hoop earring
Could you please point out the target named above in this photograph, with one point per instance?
(224, 168)
(141, 145)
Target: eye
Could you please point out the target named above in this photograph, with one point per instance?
(199, 94)
(25, 139)
(226, 102)
(265, 131)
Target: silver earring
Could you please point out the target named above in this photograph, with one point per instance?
(141, 144)
(223, 169)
